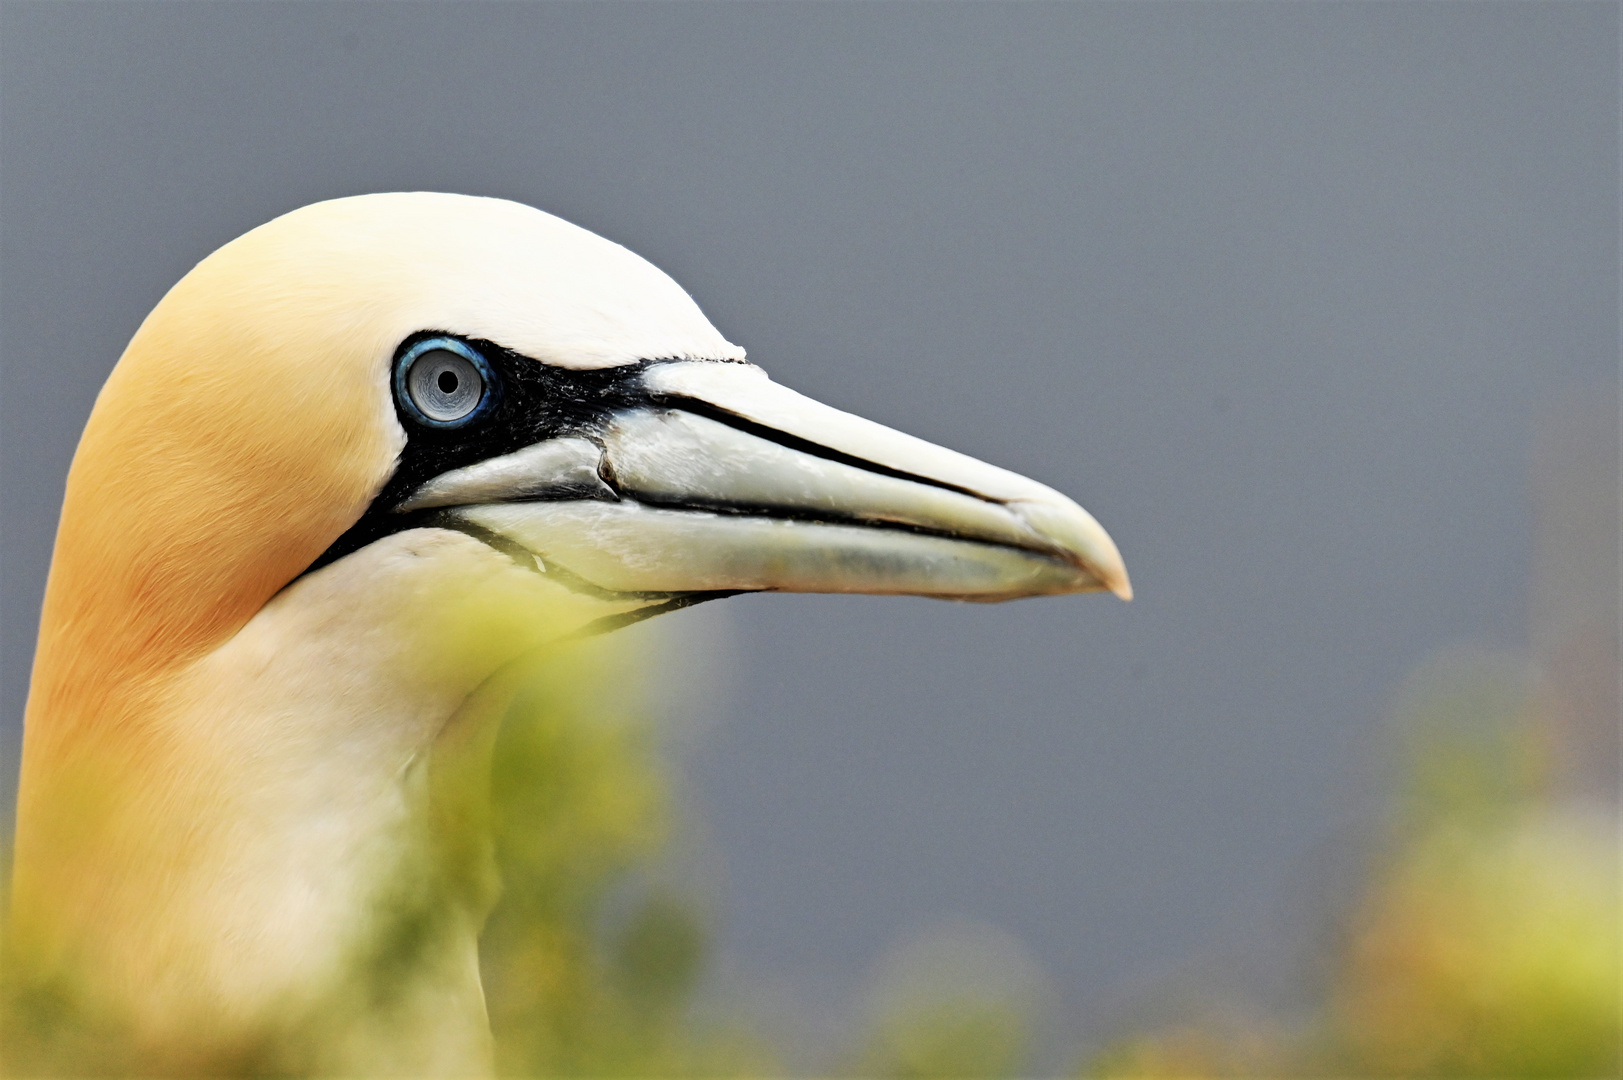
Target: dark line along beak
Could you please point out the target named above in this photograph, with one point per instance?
(728, 481)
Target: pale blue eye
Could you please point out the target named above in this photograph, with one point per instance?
(443, 382)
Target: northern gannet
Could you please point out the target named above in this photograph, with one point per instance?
(351, 468)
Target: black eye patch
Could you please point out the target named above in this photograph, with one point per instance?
(530, 402)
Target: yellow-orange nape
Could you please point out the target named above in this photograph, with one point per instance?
(350, 472)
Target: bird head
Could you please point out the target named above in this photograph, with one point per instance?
(372, 366)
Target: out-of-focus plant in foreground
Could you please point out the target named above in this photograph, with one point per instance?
(1485, 938)
(957, 999)
(1482, 935)
(589, 970)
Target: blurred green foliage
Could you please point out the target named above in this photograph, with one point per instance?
(589, 969)
(593, 966)
(1481, 937)
(956, 999)
(957, 1035)
(1484, 938)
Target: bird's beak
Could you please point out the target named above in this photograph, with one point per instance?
(720, 480)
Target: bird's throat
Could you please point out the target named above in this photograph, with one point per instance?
(279, 858)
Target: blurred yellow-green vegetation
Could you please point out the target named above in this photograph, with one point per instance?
(954, 999)
(1483, 938)
(594, 962)
(1480, 934)
(590, 967)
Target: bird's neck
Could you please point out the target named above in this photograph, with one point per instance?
(275, 857)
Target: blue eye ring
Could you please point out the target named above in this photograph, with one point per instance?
(472, 382)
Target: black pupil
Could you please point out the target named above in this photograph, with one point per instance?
(447, 382)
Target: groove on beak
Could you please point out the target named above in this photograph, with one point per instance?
(724, 480)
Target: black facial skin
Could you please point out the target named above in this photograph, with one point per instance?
(533, 402)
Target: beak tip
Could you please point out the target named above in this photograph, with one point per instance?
(1113, 576)
(1076, 536)
(1107, 566)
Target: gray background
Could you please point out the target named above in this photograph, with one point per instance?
(1275, 290)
